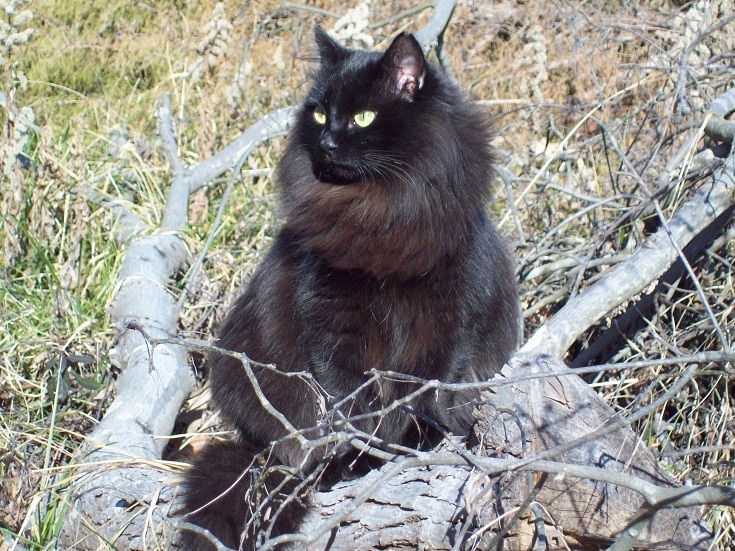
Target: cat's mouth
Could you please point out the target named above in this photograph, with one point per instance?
(332, 172)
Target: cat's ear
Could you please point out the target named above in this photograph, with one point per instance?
(405, 66)
(330, 51)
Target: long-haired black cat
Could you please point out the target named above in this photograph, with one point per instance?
(386, 260)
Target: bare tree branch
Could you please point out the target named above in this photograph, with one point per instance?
(651, 260)
(716, 127)
(434, 29)
(522, 425)
(177, 202)
(271, 126)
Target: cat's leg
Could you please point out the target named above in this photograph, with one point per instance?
(276, 391)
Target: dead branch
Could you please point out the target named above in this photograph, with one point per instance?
(716, 126)
(155, 380)
(521, 426)
(646, 265)
(271, 126)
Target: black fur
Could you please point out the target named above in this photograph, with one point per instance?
(386, 260)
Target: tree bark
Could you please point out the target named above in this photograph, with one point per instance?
(601, 478)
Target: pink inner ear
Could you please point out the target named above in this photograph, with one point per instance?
(405, 66)
(407, 83)
(410, 76)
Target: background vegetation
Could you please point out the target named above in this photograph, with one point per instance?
(588, 100)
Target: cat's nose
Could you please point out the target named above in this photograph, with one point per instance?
(327, 144)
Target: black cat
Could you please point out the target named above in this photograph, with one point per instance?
(386, 260)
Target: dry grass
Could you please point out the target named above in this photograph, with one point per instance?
(92, 74)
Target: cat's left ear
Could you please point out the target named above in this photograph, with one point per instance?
(405, 66)
(330, 51)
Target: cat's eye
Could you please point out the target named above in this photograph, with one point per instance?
(320, 116)
(364, 118)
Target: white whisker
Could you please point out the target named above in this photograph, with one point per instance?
(386, 164)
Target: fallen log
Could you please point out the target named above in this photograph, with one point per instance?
(544, 463)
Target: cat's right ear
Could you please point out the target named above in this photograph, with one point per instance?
(405, 66)
(330, 51)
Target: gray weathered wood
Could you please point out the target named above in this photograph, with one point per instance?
(528, 418)
(518, 421)
(647, 264)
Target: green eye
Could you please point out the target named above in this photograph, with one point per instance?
(320, 116)
(364, 118)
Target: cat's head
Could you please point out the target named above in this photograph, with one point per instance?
(387, 166)
(359, 119)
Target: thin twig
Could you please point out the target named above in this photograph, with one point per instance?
(194, 271)
(177, 202)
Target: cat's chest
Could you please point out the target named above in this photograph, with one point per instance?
(355, 322)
